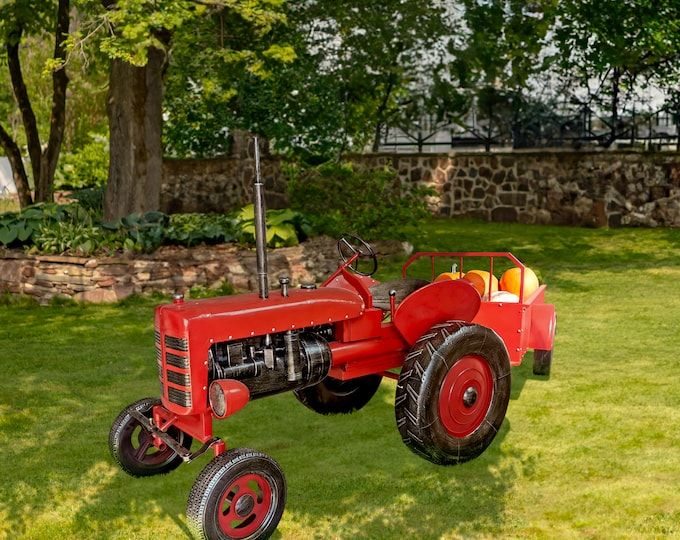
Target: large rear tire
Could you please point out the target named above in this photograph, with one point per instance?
(453, 392)
(333, 396)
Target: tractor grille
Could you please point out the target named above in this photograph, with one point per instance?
(180, 397)
(178, 378)
(173, 360)
(177, 361)
(178, 344)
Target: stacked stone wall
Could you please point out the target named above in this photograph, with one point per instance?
(606, 188)
(218, 185)
(562, 188)
(168, 270)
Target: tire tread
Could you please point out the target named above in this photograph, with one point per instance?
(414, 382)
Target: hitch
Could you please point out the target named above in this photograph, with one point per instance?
(184, 453)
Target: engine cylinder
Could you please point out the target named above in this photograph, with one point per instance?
(311, 356)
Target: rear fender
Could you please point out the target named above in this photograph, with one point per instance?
(434, 303)
(543, 324)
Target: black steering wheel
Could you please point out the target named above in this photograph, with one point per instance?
(350, 245)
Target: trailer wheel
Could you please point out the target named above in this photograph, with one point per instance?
(239, 494)
(333, 396)
(453, 392)
(132, 446)
(542, 361)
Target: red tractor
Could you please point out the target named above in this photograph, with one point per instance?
(331, 345)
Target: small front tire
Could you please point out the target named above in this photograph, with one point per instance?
(240, 494)
(132, 446)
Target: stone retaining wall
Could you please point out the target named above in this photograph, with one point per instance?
(168, 270)
(590, 188)
(561, 188)
(218, 185)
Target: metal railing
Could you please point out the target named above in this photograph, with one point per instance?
(658, 130)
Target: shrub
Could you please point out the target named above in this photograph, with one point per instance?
(192, 229)
(92, 200)
(75, 238)
(19, 228)
(76, 228)
(339, 198)
(86, 167)
(143, 233)
(284, 227)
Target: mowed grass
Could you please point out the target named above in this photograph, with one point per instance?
(593, 451)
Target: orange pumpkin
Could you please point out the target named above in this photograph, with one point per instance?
(484, 276)
(449, 275)
(476, 281)
(511, 280)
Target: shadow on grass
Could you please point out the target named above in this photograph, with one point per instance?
(376, 488)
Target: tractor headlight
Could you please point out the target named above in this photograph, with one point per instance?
(227, 396)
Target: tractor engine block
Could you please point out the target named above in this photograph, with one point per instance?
(273, 363)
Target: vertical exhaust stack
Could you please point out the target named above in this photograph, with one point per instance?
(260, 226)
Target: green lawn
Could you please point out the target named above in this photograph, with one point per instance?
(594, 451)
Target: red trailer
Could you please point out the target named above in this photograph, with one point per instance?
(331, 345)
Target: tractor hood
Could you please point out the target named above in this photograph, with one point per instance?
(245, 315)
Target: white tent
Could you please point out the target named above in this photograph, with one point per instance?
(7, 186)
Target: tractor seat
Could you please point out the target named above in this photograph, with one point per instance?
(403, 287)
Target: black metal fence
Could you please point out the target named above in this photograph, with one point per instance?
(584, 128)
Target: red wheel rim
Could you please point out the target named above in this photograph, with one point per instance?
(244, 505)
(465, 395)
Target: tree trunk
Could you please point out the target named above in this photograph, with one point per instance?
(21, 95)
(43, 163)
(376, 137)
(18, 171)
(44, 184)
(135, 120)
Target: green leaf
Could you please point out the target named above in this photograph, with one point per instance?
(111, 225)
(153, 217)
(276, 217)
(246, 213)
(24, 232)
(7, 235)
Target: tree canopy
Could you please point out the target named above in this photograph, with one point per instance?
(316, 77)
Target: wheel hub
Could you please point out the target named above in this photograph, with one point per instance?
(245, 505)
(470, 396)
(465, 395)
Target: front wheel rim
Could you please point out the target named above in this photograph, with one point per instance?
(465, 395)
(137, 444)
(246, 505)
